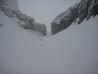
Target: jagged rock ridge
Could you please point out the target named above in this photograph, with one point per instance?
(21, 19)
(77, 13)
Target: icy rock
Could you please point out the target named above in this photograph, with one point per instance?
(82, 10)
(24, 21)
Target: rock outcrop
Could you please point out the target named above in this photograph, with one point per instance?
(24, 21)
(77, 13)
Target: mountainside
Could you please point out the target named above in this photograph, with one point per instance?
(72, 51)
(21, 19)
(9, 3)
(77, 13)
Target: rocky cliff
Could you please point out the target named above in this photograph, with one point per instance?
(77, 13)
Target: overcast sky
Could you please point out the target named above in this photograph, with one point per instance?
(44, 11)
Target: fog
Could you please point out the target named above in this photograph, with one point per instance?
(44, 11)
(72, 51)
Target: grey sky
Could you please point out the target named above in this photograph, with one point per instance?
(44, 11)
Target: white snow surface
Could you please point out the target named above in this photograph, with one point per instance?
(72, 51)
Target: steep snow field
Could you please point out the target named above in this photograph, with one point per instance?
(72, 51)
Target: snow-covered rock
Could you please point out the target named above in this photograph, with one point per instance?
(81, 11)
(10, 3)
(72, 51)
(21, 19)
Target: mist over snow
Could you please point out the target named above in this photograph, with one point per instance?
(72, 51)
(44, 11)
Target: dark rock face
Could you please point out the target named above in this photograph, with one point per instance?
(24, 21)
(1, 24)
(77, 13)
(83, 10)
(64, 20)
(3, 2)
(10, 3)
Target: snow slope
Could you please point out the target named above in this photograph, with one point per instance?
(72, 51)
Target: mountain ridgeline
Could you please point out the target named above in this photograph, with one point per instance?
(77, 13)
(24, 21)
